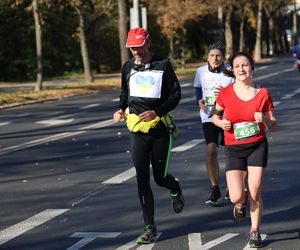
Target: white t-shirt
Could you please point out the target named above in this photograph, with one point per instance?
(207, 81)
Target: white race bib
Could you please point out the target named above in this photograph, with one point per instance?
(146, 84)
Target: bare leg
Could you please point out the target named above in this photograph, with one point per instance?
(255, 177)
(212, 164)
(236, 185)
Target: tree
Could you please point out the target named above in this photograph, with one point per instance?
(92, 9)
(39, 51)
(272, 10)
(228, 31)
(258, 31)
(173, 23)
(34, 7)
(78, 6)
(123, 28)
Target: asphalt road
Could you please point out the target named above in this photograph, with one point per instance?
(67, 181)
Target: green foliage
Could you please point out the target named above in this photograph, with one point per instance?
(61, 45)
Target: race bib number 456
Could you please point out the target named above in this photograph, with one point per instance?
(245, 130)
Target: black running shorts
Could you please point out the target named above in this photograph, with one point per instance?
(213, 133)
(239, 157)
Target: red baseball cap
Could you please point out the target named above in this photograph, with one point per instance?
(136, 37)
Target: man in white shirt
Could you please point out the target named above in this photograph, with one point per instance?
(208, 82)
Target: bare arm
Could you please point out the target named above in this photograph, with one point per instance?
(218, 121)
(268, 118)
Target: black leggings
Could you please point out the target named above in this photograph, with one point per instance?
(146, 148)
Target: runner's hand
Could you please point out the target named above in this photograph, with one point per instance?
(119, 115)
(226, 125)
(259, 117)
(148, 115)
(202, 106)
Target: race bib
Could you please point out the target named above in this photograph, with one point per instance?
(146, 84)
(210, 100)
(245, 130)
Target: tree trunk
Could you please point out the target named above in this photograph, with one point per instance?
(38, 37)
(258, 31)
(83, 45)
(272, 49)
(242, 33)
(183, 48)
(123, 28)
(171, 55)
(220, 23)
(228, 33)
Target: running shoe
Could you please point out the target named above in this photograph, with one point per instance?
(215, 194)
(239, 212)
(255, 240)
(177, 199)
(227, 197)
(148, 236)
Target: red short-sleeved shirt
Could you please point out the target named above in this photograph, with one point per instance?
(237, 110)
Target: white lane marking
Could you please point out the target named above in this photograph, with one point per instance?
(127, 246)
(219, 240)
(54, 122)
(51, 114)
(132, 243)
(28, 224)
(195, 242)
(99, 124)
(63, 116)
(188, 145)
(289, 96)
(262, 67)
(4, 123)
(186, 85)
(276, 103)
(271, 74)
(122, 177)
(38, 142)
(115, 100)
(247, 247)
(90, 106)
(22, 115)
(54, 137)
(188, 99)
(90, 236)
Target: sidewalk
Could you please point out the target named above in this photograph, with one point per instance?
(26, 86)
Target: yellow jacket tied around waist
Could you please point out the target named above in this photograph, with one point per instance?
(134, 124)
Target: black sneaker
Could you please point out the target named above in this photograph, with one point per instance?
(148, 236)
(255, 240)
(227, 197)
(215, 194)
(239, 213)
(177, 200)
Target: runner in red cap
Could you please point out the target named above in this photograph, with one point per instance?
(150, 90)
(137, 37)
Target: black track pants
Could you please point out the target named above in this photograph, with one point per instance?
(145, 149)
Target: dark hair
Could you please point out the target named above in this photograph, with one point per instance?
(217, 45)
(248, 56)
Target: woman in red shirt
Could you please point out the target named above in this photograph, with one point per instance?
(243, 110)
